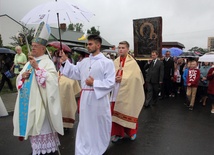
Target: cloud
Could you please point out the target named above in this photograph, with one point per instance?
(189, 22)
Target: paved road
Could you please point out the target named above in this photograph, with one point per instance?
(165, 129)
(9, 101)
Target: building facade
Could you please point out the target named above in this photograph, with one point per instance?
(210, 45)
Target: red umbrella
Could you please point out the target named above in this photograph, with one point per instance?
(56, 44)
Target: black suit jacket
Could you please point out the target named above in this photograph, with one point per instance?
(168, 68)
(155, 72)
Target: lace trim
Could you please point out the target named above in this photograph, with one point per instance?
(46, 143)
(41, 75)
(20, 82)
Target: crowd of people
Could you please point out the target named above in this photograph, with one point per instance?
(43, 106)
(111, 93)
(177, 77)
(11, 66)
(187, 77)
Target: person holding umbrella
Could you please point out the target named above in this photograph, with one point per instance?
(203, 83)
(97, 75)
(37, 111)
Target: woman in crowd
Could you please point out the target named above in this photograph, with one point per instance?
(210, 90)
(203, 84)
(19, 61)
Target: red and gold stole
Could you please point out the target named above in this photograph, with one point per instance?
(121, 65)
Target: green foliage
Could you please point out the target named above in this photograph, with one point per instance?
(75, 27)
(71, 27)
(93, 30)
(25, 50)
(75, 56)
(79, 27)
(19, 39)
(198, 49)
(51, 50)
(1, 42)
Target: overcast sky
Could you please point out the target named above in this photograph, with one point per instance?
(189, 22)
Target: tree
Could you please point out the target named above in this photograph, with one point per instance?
(1, 42)
(19, 38)
(198, 49)
(78, 27)
(75, 27)
(71, 27)
(93, 30)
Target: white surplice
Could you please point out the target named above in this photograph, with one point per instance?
(94, 129)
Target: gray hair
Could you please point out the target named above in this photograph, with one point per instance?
(18, 48)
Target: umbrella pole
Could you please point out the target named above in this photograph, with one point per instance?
(49, 54)
(60, 39)
(28, 48)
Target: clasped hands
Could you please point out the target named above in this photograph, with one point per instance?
(34, 64)
(118, 79)
(89, 81)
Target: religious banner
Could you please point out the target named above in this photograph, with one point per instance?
(147, 36)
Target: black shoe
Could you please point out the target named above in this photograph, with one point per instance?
(146, 106)
(190, 108)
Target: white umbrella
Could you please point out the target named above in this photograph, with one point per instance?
(47, 12)
(208, 57)
(57, 12)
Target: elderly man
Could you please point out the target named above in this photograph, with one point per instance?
(37, 111)
(168, 64)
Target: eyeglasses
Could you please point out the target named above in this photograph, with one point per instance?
(35, 46)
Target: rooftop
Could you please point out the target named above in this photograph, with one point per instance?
(173, 44)
(71, 38)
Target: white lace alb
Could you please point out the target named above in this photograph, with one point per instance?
(45, 143)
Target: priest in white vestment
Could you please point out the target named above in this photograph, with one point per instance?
(97, 75)
(37, 86)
